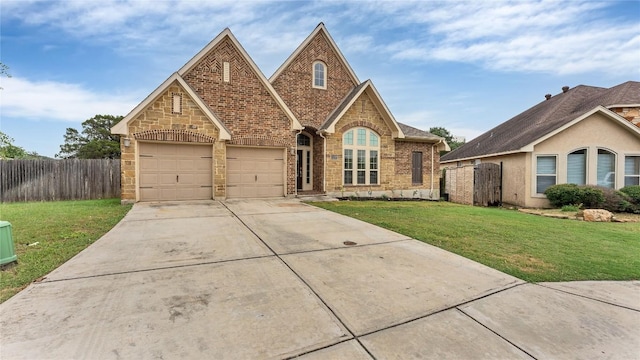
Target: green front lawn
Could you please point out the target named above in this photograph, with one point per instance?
(530, 247)
(46, 234)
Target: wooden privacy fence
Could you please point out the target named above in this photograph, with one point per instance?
(50, 180)
(474, 184)
(487, 184)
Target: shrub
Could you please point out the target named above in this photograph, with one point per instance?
(563, 194)
(634, 193)
(614, 200)
(591, 197)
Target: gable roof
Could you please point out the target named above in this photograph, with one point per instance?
(329, 124)
(319, 29)
(548, 118)
(226, 33)
(122, 127)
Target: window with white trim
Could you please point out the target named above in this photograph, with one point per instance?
(361, 149)
(577, 167)
(631, 170)
(545, 172)
(606, 169)
(319, 75)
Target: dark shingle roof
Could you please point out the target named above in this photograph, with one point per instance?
(413, 133)
(544, 118)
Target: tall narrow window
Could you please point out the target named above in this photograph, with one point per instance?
(631, 170)
(577, 167)
(606, 173)
(348, 166)
(364, 144)
(319, 75)
(545, 173)
(416, 168)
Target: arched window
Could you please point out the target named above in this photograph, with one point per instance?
(606, 173)
(577, 167)
(361, 149)
(319, 75)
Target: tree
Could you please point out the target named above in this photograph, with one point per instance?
(4, 70)
(10, 151)
(95, 141)
(442, 132)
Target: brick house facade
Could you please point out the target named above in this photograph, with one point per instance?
(271, 137)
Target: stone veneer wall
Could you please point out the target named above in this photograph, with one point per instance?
(243, 104)
(159, 116)
(367, 118)
(630, 113)
(294, 84)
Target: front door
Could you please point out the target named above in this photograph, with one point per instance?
(304, 166)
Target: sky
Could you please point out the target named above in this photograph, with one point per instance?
(464, 65)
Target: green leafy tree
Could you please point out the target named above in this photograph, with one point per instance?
(10, 151)
(94, 142)
(442, 132)
(4, 71)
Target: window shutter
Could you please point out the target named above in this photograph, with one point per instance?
(416, 167)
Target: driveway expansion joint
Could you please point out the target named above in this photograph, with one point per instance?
(45, 281)
(586, 297)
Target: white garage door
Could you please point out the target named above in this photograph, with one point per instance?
(255, 172)
(175, 172)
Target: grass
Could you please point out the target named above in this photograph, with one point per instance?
(532, 248)
(47, 234)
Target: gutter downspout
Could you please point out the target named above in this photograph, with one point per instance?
(324, 161)
(296, 166)
(432, 165)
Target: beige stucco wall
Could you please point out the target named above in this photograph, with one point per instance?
(158, 116)
(593, 133)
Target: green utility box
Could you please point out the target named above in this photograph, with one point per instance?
(7, 251)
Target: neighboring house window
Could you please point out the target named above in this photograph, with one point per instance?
(631, 170)
(606, 173)
(416, 167)
(319, 75)
(577, 167)
(545, 173)
(361, 148)
(176, 103)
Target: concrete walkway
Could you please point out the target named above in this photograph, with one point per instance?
(272, 279)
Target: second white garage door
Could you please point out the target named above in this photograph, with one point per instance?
(255, 172)
(175, 172)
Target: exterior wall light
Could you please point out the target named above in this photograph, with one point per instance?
(127, 142)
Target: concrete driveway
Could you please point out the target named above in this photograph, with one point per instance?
(271, 279)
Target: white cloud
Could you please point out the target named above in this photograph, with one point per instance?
(557, 37)
(542, 36)
(22, 98)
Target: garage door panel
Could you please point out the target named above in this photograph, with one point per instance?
(175, 172)
(255, 172)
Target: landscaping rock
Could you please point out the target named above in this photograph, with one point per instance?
(597, 215)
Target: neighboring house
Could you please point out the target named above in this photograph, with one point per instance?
(218, 128)
(584, 135)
